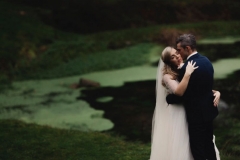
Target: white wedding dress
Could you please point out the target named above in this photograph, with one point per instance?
(170, 139)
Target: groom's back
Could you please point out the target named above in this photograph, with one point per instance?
(198, 97)
(201, 81)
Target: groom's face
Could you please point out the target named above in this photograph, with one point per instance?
(183, 52)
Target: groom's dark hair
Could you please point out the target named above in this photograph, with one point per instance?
(187, 40)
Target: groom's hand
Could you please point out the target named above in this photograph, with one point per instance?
(173, 99)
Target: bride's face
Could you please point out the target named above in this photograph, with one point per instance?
(176, 58)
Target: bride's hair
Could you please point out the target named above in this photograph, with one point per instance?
(168, 68)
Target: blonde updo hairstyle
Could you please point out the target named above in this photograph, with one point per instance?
(168, 68)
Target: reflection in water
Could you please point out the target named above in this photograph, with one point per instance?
(131, 108)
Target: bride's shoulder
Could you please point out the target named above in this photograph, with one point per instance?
(167, 77)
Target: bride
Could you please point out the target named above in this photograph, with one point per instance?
(170, 139)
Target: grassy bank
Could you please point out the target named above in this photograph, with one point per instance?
(30, 57)
(29, 141)
(30, 48)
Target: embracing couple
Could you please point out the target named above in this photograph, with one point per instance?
(186, 105)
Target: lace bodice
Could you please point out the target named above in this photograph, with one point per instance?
(171, 85)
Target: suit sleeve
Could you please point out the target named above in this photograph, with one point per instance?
(173, 99)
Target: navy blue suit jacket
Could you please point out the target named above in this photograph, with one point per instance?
(198, 97)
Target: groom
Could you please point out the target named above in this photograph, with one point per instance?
(197, 99)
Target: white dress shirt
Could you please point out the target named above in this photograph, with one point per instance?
(192, 54)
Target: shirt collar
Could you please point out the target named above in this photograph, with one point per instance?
(180, 66)
(192, 54)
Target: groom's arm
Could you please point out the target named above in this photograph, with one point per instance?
(173, 99)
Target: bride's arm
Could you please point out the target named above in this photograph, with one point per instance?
(173, 85)
(181, 88)
(176, 87)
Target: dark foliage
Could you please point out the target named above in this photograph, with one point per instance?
(95, 16)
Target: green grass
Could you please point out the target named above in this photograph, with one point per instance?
(29, 141)
(213, 29)
(33, 142)
(98, 61)
(228, 139)
(60, 54)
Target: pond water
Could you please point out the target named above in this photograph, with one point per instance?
(53, 102)
(56, 104)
